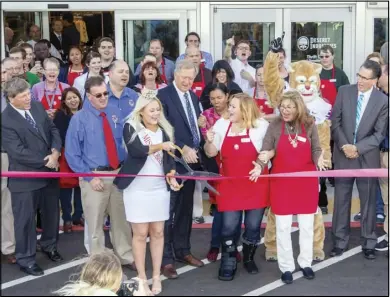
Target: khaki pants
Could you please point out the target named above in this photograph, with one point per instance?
(384, 183)
(96, 205)
(7, 217)
(198, 200)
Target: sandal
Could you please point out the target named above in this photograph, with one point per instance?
(143, 288)
(156, 287)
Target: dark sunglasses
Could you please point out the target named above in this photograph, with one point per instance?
(322, 57)
(100, 95)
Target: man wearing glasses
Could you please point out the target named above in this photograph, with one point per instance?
(244, 74)
(359, 118)
(94, 145)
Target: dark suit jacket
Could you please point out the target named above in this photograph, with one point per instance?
(370, 132)
(175, 114)
(136, 158)
(55, 41)
(26, 148)
(71, 36)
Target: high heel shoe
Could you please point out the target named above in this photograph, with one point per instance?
(143, 288)
(156, 287)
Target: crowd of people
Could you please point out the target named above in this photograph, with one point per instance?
(93, 115)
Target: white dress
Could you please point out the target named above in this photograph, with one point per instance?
(147, 199)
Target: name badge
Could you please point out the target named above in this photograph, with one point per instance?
(333, 80)
(301, 139)
(198, 89)
(245, 140)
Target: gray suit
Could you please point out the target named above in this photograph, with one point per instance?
(26, 150)
(370, 134)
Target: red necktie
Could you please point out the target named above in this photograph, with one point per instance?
(110, 143)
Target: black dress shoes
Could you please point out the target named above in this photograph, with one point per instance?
(308, 273)
(369, 254)
(34, 270)
(287, 278)
(54, 256)
(336, 252)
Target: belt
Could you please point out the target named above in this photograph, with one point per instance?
(106, 168)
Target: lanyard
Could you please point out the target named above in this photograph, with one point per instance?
(50, 102)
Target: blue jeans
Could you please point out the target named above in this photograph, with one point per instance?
(380, 208)
(66, 204)
(252, 221)
(216, 229)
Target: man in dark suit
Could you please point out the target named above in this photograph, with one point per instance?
(71, 34)
(32, 143)
(56, 37)
(181, 108)
(359, 118)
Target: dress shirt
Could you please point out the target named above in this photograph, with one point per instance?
(85, 146)
(22, 112)
(125, 103)
(207, 57)
(79, 84)
(367, 95)
(237, 66)
(3, 102)
(169, 70)
(183, 102)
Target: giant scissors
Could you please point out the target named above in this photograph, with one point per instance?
(192, 173)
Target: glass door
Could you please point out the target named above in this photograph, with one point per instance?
(135, 30)
(259, 26)
(308, 29)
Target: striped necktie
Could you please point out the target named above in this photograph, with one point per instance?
(192, 122)
(358, 114)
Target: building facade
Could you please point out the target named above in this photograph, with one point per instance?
(353, 29)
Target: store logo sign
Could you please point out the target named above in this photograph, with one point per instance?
(303, 43)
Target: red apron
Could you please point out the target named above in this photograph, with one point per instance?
(198, 87)
(292, 195)
(73, 75)
(329, 89)
(53, 101)
(66, 182)
(237, 154)
(261, 103)
(163, 76)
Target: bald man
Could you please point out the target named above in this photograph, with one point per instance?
(8, 37)
(203, 77)
(118, 94)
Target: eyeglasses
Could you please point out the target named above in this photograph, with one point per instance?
(364, 78)
(100, 95)
(323, 57)
(14, 69)
(244, 48)
(287, 108)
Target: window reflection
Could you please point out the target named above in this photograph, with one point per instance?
(259, 35)
(143, 32)
(308, 37)
(381, 32)
(19, 22)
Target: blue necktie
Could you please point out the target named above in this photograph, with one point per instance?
(358, 114)
(31, 121)
(192, 122)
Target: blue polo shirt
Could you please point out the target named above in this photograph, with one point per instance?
(125, 103)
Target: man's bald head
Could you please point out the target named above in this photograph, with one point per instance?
(8, 35)
(193, 54)
(119, 74)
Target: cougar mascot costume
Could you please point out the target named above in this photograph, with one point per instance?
(304, 77)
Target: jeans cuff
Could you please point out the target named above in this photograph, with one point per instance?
(247, 241)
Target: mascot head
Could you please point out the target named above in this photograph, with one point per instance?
(305, 78)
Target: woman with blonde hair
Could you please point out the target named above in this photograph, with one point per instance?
(292, 144)
(238, 140)
(148, 137)
(101, 276)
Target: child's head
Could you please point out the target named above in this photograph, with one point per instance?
(101, 271)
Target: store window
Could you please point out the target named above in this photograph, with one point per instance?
(137, 35)
(259, 35)
(381, 32)
(19, 22)
(308, 37)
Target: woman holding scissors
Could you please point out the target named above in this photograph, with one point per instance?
(148, 137)
(238, 141)
(49, 92)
